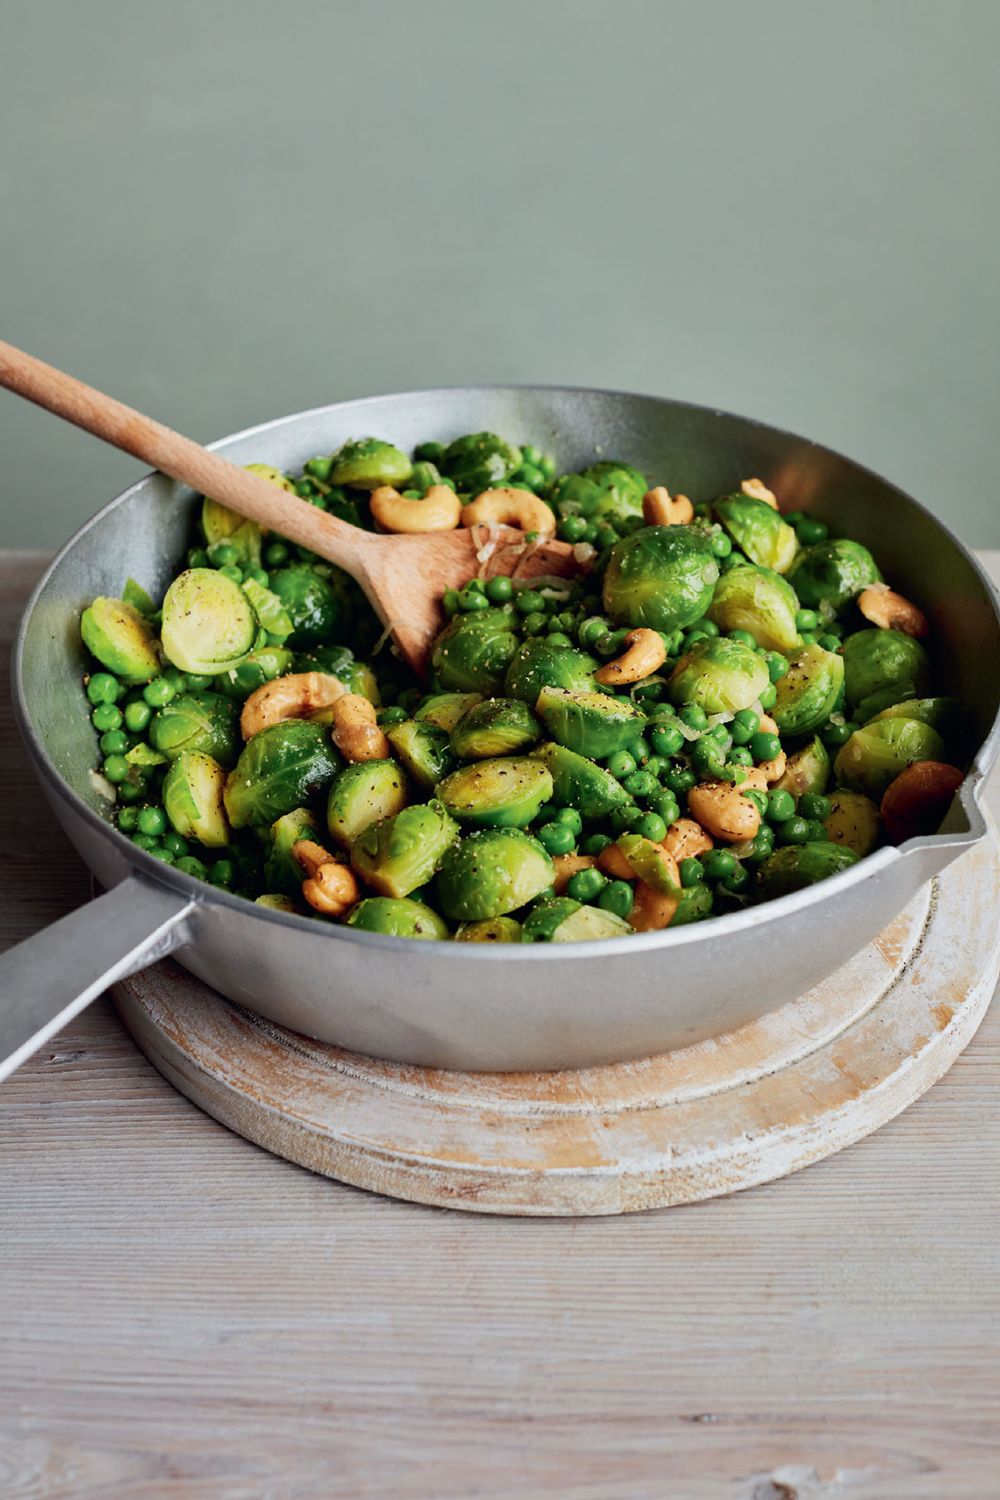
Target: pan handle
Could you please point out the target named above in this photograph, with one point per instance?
(46, 980)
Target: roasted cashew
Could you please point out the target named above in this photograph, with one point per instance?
(645, 655)
(355, 731)
(295, 697)
(651, 910)
(613, 862)
(890, 611)
(568, 865)
(439, 510)
(686, 839)
(722, 809)
(758, 490)
(510, 507)
(329, 887)
(658, 509)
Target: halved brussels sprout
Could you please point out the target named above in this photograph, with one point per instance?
(577, 782)
(397, 917)
(875, 754)
(479, 461)
(490, 930)
(660, 576)
(340, 662)
(719, 675)
(539, 664)
(282, 767)
(444, 710)
(649, 862)
(759, 601)
(603, 489)
(274, 901)
(262, 665)
(498, 726)
(758, 530)
(592, 724)
(402, 852)
(695, 904)
(853, 821)
(806, 770)
(798, 865)
(118, 635)
(502, 793)
(209, 624)
(198, 721)
(193, 799)
(832, 573)
(220, 524)
(367, 463)
(282, 870)
(133, 593)
(809, 691)
(423, 750)
(942, 714)
(563, 920)
(882, 667)
(472, 652)
(491, 873)
(362, 794)
(270, 611)
(320, 609)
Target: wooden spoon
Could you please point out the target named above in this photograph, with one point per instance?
(402, 576)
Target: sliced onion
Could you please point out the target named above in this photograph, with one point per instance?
(102, 786)
(584, 552)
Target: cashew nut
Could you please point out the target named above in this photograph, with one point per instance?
(890, 611)
(758, 490)
(613, 862)
(646, 654)
(651, 910)
(295, 697)
(329, 887)
(658, 509)
(723, 810)
(510, 507)
(686, 839)
(568, 865)
(439, 510)
(355, 731)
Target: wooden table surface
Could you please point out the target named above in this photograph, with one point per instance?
(186, 1316)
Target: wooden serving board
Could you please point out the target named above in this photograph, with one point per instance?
(724, 1114)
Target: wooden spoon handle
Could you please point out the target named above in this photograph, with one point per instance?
(166, 450)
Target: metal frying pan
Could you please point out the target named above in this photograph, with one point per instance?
(459, 1005)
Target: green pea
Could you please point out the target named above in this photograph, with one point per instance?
(624, 819)
(761, 845)
(656, 765)
(162, 853)
(744, 726)
(114, 742)
(764, 746)
(809, 532)
(592, 630)
(707, 627)
(830, 642)
(808, 637)
(641, 784)
(691, 637)
(224, 554)
(558, 637)
(177, 845)
(233, 572)
(718, 864)
(275, 555)
(192, 866)
(152, 820)
(571, 818)
(743, 636)
(103, 688)
(556, 838)
(127, 819)
(586, 884)
(721, 545)
(145, 841)
(223, 872)
(596, 843)
(198, 558)
(835, 735)
(666, 807)
(499, 590)
(305, 489)
(736, 881)
(396, 715)
(806, 619)
(571, 529)
(431, 453)
(794, 517)
(531, 455)
(694, 716)
(739, 755)
(106, 716)
(679, 780)
(780, 805)
(449, 602)
(777, 666)
(470, 600)
(666, 739)
(617, 897)
(794, 831)
(652, 826)
(759, 800)
(158, 693)
(115, 769)
(530, 476)
(691, 872)
(547, 464)
(621, 764)
(137, 716)
(529, 601)
(130, 791)
(769, 696)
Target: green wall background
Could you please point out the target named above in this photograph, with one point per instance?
(225, 210)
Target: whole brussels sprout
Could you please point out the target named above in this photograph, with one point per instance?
(539, 664)
(262, 665)
(472, 653)
(401, 853)
(942, 714)
(397, 917)
(719, 675)
(121, 639)
(882, 667)
(853, 821)
(444, 710)
(758, 530)
(798, 865)
(875, 754)
(759, 601)
(198, 721)
(660, 576)
(592, 724)
(809, 691)
(479, 461)
(503, 793)
(319, 608)
(497, 726)
(362, 794)
(832, 573)
(577, 782)
(209, 624)
(423, 751)
(367, 463)
(492, 872)
(602, 489)
(806, 770)
(281, 767)
(490, 930)
(340, 662)
(563, 920)
(282, 871)
(193, 799)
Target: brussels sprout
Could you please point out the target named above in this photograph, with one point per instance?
(832, 573)
(220, 524)
(144, 755)
(282, 870)
(759, 601)
(193, 798)
(398, 854)
(366, 463)
(498, 726)
(882, 667)
(807, 770)
(649, 862)
(479, 461)
(339, 662)
(397, 917)
(262, 665)
(423, 751)
(503, 793)
(198, 721)
(539, 664)
(490, 930)
(279, 769)
(270, 611)
(362, 794)
(577, 782)
(719, 675)
(798, 865)
(563, 920)
(133, 593)
(274, 901)
(758, 530)
(319, 608)
(942, 714)
(660, 576)
(603, 489)
(853, 821)
(472, 652)
(491, 873)
(120, 638)
(444, 710)
(695, 904)
(592, 724)
(543, 919)
(875, 755)
(209, 624)
(809, 691)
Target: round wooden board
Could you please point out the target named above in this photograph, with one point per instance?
(725, 1114)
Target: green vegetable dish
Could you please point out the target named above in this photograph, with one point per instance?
(711, 713)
